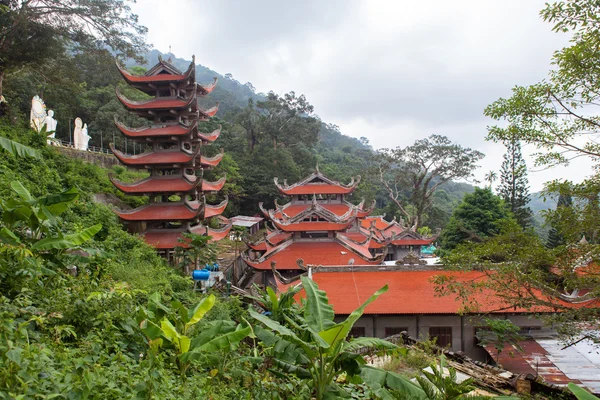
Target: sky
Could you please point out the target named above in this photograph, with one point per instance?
(391, 71)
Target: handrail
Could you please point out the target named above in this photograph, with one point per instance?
(70, 145)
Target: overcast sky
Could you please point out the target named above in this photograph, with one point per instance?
(392, 71)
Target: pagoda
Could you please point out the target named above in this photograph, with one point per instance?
(175, 188)
(314, 226)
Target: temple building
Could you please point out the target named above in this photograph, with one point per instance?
(174, 159)
(321, 227)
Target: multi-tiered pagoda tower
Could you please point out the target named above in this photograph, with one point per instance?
(175, 187)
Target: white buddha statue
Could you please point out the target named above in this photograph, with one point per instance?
(77, 133)
(85, 138)
(50, 123)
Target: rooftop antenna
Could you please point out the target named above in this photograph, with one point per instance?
(170, 49)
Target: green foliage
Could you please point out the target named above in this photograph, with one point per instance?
(440, 386)
(514, 187)
(479, 216)
(312, 346)
(194, 252)
(581, 393)
(499, 332)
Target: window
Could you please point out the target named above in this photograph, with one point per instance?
(442, 334)
(394, 330)
(357, 332)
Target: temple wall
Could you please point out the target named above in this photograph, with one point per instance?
(463, 327)
(100, 159)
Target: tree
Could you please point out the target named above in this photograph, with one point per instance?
(491, 177)
(555, 237)
(514, 187)
(411, 175)
(35, 30)
(479, 216)
(499, 332)
(559, 117)
(194, 251)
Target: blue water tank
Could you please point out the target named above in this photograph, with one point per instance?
(200, 275)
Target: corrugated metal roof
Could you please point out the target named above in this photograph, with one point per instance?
(554, 361)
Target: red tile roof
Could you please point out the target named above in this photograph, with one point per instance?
(160, 212)
(208, 186)
(312, 226)
(294, 209)
(162, 184)
(316, 253)
(156, 103)
(153, 158)
(211, 211)
(274, 239)
(410, 292)
(163, 239)
(316, 188)
(155, 131)
(211, 161)
(380, 223)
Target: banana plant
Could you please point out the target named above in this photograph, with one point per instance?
(581, 393)
(33, 223)
(171, 327)
(280, 307)
(317, 348)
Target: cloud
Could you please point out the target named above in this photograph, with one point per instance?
(392, 71)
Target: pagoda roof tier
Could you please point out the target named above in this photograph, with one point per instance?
(312, 226)
(180, 211)
(211, 161)
(327, 253)
(158, 131)
(214, 210)
(209, 112)
(175, 211)
(271, 239)
(208, 186)
(159, 103)
(164, 73)
(159, 184)
(157, 158)
(361, 236)
(166, 239)
(314, 208)
(169, 131)
(316, 183)
(291, 210)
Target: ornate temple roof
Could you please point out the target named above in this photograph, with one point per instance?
(291, 210)
(158, 103)
(164, 73)
(157, 158)
(174, 211)
(166, 239)
(168, 184)
(162, 212)
(317, 183)
(168, 131)
(331, 252)
(211, 161)
(158, 184)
